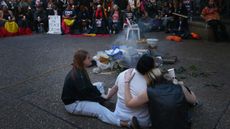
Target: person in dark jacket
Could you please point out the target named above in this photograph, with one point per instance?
(181, 23)
(168, 100)
(84, 19)
(40, 19)
(81, 97)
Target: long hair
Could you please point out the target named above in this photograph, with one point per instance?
(158, 76)
(78, 59)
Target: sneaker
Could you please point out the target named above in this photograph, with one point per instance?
(135, 123)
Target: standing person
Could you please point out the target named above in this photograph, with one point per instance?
(168, 101)
(137, 86)
(2, 23)
(81, 97)
(211, 16)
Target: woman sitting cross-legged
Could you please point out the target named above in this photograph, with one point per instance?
(81, 97)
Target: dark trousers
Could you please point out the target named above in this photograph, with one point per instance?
(216, 25)
(37, 25)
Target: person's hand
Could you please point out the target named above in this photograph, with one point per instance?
(109, 92)
(24, 18)
(176, 82)
(108, 95)
(129, 76)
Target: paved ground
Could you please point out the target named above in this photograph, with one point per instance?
(33, 68)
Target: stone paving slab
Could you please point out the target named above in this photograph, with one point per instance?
(21, 115)
(225, 120)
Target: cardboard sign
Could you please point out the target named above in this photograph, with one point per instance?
(54, 24)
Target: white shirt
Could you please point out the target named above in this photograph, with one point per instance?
(137, 86)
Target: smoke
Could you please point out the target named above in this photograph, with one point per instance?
(129, 48)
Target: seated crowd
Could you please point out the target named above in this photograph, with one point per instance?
(79, 16)
(94, 16)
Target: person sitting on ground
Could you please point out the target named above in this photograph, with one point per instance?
(99, 20)
(9, 22)
(212, 17)
(168, 100)
(8, 14)
(138, 85)
(84, 19)
(81, 97)
(40, 19)
(2, 23)
(115, 20)
(24, 21)
(69, 20)
(181, 22)
(167, 16)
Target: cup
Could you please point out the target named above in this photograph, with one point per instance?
(172, 73)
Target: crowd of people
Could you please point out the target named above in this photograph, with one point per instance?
(100, 16)
(96, 16)
(146, 96)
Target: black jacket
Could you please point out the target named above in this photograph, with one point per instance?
(77, 86)
(168, 107)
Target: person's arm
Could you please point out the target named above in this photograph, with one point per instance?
(1, 15)
(12, 15)
(133, 101)
(189, 95)
(74, 15)
(112, 91)
(63, 15)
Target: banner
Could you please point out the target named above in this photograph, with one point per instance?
(54, 24)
